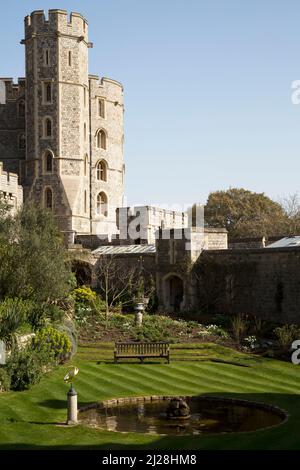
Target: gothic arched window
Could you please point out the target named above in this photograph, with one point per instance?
(48, 199)
(21, 108)
(102, 204)
(85, 165)
(101, 107)
(22, 141)
(47, 92)
(101, 139)
(49, 162)
(48, 128)
(102, 171)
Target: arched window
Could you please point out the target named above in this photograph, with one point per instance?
(101, 107)
(85, 165)
(70, 59)
(22, 141)
(48, 198)
(47, 92)
(102, 204)
(84, 97)
(48, 162)
(84, 131)
(48, 127)
(46, 57)
(102, 171)
(21, 108)
(101, 139)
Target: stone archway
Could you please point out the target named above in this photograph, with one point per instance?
(173, 288)
(83, 273)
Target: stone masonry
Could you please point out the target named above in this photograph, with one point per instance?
(10, 190)
(50, 123)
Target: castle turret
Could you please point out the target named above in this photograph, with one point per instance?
(62, 130)
(57, 116)
(107, 161)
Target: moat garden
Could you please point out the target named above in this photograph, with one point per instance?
(221, 368)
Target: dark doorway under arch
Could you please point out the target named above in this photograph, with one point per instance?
(174, 292)
(82, 273)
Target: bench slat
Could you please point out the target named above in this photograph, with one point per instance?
(141, 350)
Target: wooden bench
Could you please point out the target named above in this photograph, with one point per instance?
(141, 350)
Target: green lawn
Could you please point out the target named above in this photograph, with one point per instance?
(33, 419)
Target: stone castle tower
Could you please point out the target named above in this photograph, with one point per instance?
(61, 129)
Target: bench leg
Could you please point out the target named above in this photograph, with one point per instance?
(115, 359)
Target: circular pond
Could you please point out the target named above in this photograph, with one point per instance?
(207, 415)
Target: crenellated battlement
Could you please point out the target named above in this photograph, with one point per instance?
(14, 91)
(58, 21)
(106, 87)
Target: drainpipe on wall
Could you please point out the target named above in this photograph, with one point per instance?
(91, 154)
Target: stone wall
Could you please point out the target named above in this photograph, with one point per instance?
(12, 126)
(246, 243)
(262, 282)
(56, 54)
(145, 221)
(10, 190)
(112, 157)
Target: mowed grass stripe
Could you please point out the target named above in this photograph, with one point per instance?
(167, 375)
(117, 379)
(182, 379)
(249, 379)
(119, 374)
(243, 379)
(217, 377)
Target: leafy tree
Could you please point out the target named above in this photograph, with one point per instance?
(291, 206)
(33, 260)
(244, 213)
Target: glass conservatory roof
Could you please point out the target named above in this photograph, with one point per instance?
(124, 249)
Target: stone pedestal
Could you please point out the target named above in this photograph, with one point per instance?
(72, 406)
(139, 308)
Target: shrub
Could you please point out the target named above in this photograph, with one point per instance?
(251, 342)
(239, 327)
(68, 327)
(84, 295)
(286, 334)
(13, 314)
(25, 368)
(216, 330)
(152, 329)
(4, 380)
(41, 313)
(53, 343)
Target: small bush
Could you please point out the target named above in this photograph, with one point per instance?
(239, 327)
(286, 334)
(25, 368)
(13, 314)
(4, 380)
(54, 343)
(68, 327)
(84, 295)
(42, 313)
(251, 342)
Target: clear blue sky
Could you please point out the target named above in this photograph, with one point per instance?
(207, 90)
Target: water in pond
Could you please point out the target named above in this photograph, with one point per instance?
(207, 416)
